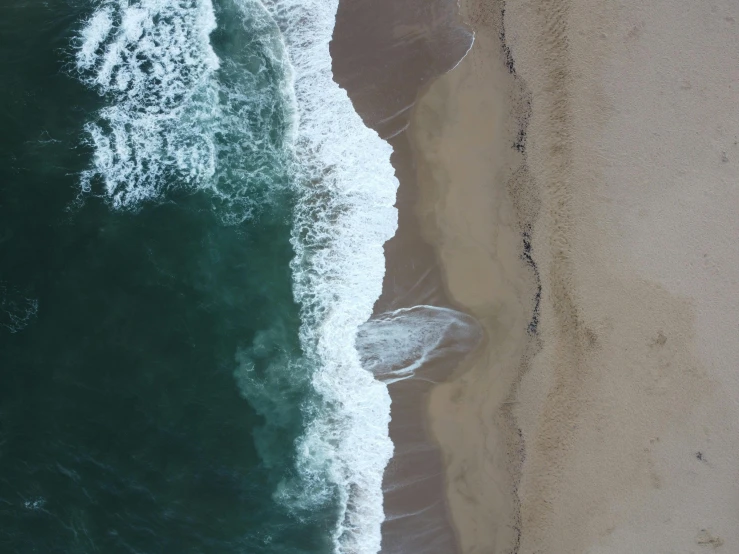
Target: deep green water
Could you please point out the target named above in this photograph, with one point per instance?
(137, 412)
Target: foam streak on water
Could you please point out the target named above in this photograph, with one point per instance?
(344, 217)
(154, 61)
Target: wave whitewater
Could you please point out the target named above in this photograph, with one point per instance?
(344, 216)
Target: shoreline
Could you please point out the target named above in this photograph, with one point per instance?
(422, 40)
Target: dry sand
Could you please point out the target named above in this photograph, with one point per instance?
(614, 428)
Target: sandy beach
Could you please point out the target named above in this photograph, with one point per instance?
(589, 149)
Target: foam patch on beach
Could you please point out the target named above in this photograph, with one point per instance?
(345, 214)
(395, 345)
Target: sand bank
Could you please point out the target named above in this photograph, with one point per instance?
(613, 428)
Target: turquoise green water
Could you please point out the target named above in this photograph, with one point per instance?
(151, 383)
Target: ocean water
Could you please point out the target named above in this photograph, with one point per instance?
(191, 226)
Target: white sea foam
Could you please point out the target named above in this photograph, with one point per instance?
(344, 217)
(154, 61)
